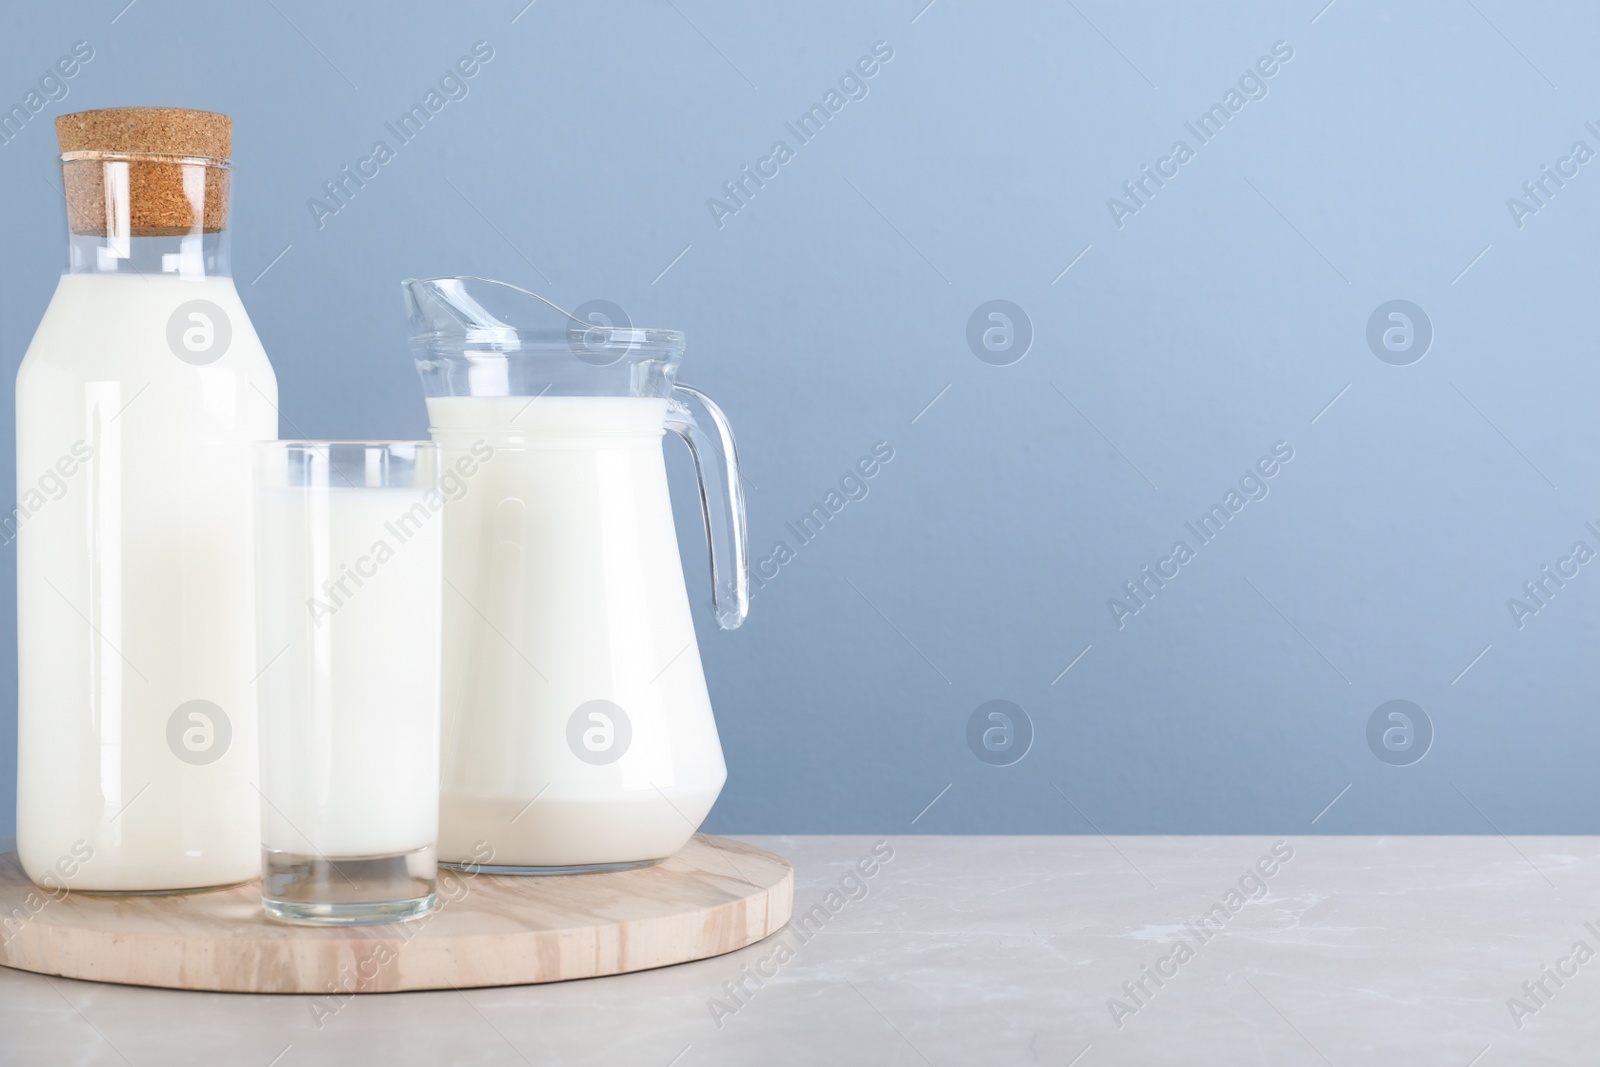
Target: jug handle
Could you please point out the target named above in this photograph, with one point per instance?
(716, 465)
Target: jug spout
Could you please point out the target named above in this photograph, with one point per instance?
(445, 310)
(476, 337)
(483, 311)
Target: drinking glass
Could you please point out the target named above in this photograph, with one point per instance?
(349, 540)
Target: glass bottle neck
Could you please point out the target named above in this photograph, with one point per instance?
(191, 255)
(144, 213)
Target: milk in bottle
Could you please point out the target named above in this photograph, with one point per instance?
(137, 404)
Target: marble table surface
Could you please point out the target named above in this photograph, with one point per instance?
(1080, 951)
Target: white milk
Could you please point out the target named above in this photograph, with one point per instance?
(349, 592)
(563, 586)
(134, 588)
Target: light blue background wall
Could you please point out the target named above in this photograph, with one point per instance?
(1221, 318)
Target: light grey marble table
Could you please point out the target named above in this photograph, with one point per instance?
(1079, 951)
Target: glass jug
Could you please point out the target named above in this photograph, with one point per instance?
(577, 730)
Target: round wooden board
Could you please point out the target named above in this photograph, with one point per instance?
(714, 896)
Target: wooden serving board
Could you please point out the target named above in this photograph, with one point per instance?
(714, 896)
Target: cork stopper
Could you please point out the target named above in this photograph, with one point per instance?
(145, 171)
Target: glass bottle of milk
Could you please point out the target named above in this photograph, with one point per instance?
(137, 405)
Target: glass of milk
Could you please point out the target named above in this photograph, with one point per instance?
(349, 543)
